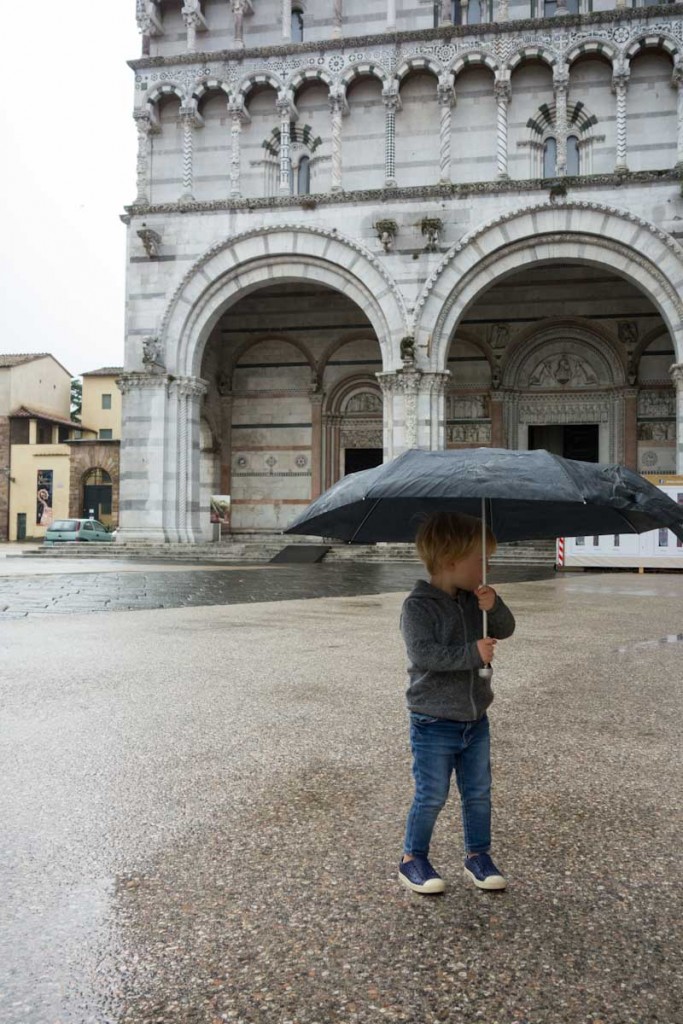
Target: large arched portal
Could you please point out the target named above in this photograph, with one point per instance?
(568, 357)
(292, 404)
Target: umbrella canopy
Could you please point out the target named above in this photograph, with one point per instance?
(526, 495)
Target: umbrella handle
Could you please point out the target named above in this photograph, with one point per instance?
(486, 672)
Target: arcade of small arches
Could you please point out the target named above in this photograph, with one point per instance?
(298, 134)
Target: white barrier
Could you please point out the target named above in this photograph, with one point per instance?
(657, 549)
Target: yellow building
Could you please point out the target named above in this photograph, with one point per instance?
(101, 407)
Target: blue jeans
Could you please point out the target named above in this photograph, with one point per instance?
(440, 747)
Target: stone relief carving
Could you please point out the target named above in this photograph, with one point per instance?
(365, 402)
(152, 352)
(368, 437)
(657, 403)
(474, 407)
(563, 371)
(657, 431)
(459, 433)
(500, 338)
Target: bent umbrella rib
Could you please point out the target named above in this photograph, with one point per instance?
(365, 519)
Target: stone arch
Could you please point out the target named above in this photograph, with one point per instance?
(252, 80)
(365, 70)
(591, 47)
(305, 75)
(651, 42)
(474, 58)
(241, 350)
(207, 85)
(418, 64)
(593, 346)
(338, 343)
(167, 89)
(263, 256)
(358, 383)
(532, 53)
(581, 232)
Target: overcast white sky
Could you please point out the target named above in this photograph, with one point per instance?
(67, 170)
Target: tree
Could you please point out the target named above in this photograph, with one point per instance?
(76, 398)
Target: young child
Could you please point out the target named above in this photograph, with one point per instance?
(441, 623)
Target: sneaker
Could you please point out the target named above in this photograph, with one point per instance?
(419, 875)
(483, 872)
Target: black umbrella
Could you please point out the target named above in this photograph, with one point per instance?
(522, 495)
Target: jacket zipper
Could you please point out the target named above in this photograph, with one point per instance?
(464, 629)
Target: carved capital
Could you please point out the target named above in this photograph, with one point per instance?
(135, 381)
(502, 90)
(192, 387)
(431, 230)
(676, 372)
(386, 232)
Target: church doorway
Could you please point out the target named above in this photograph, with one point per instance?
(570, 440)
(357, 459)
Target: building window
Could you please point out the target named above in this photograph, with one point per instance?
(550, 157)
(106, 401)
(63, 433)
(297, 26)
(106, 435)
(549, 8)
(44, 433)
(456, 12)
(474, 12)
(572, 155)
(303, 176)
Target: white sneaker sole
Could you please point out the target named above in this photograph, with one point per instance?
(492, 882)
(429, 888)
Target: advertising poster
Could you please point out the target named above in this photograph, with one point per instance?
(220, 509)
(44, 498)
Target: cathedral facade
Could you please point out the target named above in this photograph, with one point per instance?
(367, 225)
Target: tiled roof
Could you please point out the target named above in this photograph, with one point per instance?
(104, 371)
(16, 360)
(31, 413)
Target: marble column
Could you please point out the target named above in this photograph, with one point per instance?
(337, 105)
(502, 93)
(677, 82)
(561, 90)
(337, 24)
(188, 120)
(446, 99)
(238, 116)
(391, 15)
(286, 19)
(497, 401)
(316, 443)
(676, 372)
(392, 103)
(145, 129)
(631, 428)
(414, 403)
(194, 21)
(619, 87)
(238, 23)
(285, 107)
(226, 447)
(186, 522)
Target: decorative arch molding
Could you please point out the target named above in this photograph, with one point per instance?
(581, 232)
(255, 79)
(307, 75)
(233, 361)
(475, 58)
(264, 256)
(652, 42)
(602, 364)
(207, 85)
(532, 53)
(591, 48)
(162, 91)
(418, 65)
(339, 343)
(360, 383)
(366, 70)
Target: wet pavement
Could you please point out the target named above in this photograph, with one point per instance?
(203, 810)
(133, 587)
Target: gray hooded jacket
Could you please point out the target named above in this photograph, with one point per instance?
(441, 634)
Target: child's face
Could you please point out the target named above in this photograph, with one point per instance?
(466, 573)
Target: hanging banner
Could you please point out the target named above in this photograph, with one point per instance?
(44, 498)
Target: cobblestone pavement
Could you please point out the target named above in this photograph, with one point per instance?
(132, 588)
(202, 813)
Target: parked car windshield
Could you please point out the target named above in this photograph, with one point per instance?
(65, 524)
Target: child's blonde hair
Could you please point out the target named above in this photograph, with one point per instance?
(446, 535)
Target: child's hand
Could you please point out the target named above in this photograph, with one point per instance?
(486, 648)
(487, 598)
